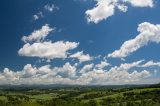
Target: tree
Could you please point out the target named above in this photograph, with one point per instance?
(93, 102)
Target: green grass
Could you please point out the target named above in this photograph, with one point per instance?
(30, 104)
(42, 96)
(116, 96)
(3, 98)
(119, 94)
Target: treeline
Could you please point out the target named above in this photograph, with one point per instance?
(142, 98)
(86, 97)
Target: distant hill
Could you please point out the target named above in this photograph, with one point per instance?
(155, 85)
(59, 86)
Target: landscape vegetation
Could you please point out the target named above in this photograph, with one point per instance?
(66, 95)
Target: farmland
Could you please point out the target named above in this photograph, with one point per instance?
(81, 96)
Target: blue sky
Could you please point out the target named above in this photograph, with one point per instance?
(71, 41)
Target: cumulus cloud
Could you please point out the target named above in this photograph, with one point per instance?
(86, 68)
(102, 65)
(150, 63)
(81, 56)
(67, 71)
(69, 74)
(148, 33)
(102, 10)
(106, 8)
(122, 7)
(38, 35)
(51, 7)
(141, 3)
(28, 71)
(41, 75)
(38, 16)
(48, 7)
(115, 75)
(48, 50)
(127, 66)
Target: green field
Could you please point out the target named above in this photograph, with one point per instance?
(82, 96)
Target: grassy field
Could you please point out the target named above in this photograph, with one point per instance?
(82, 96)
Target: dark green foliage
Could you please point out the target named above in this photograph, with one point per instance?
(82, 96)
(93, 103)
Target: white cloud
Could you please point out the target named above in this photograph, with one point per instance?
(127, 66)
(106, 8)
(122, 7)
(141, 3)
(38, 35)
(8, 73)
(41, 75)
(122, 74)
(116, 75)
(70, 74)
(48, 50)
(102, 10)
(81, 56)
(148, 33)
(51, 7)
(28, 71)
(150, 63)
(102, 65)
(67, 71)
(38, 16)
(86, 68)
(48, 7)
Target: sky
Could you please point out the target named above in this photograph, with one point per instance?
(83, 42)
